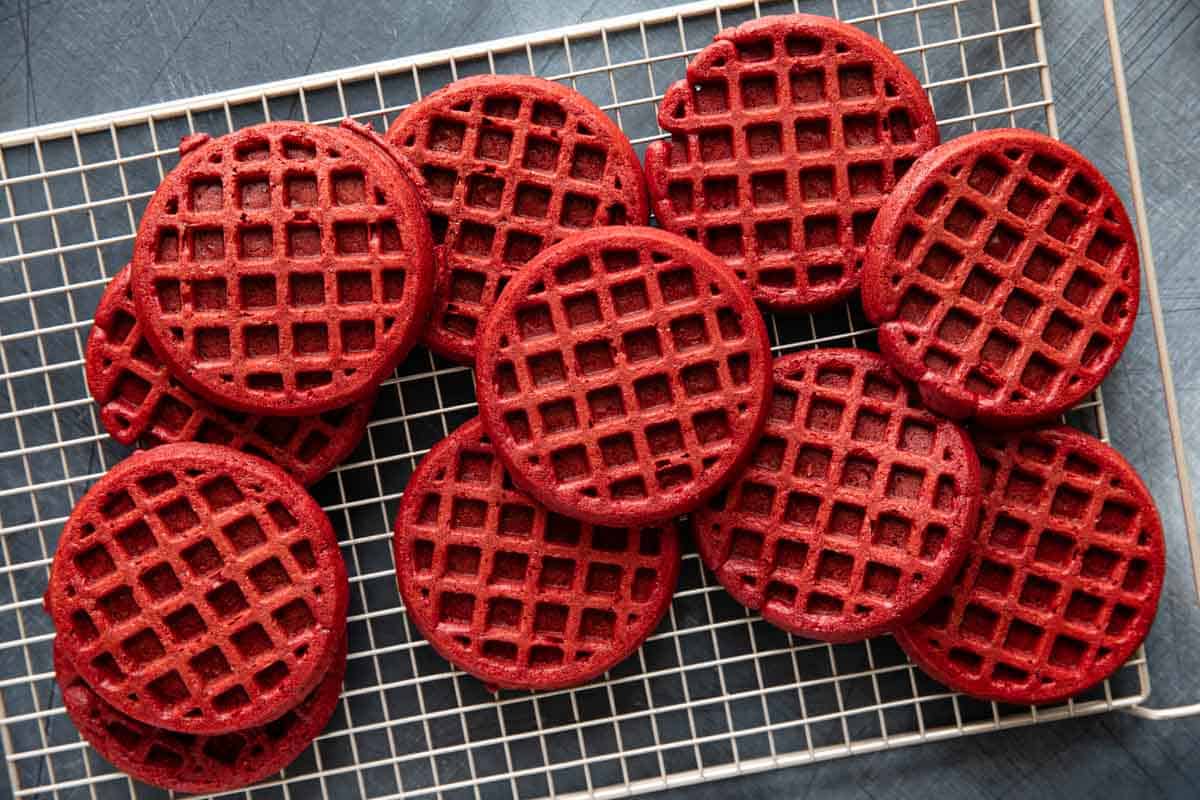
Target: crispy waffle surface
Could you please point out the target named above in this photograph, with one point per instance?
(623, 375)
(513, 164)
(142, 404)
(1003, 275)
(517, 595)
(786, 135)
(199, 589)
(284, 268)
(857, 508)
(1063, 578)
(184, 762)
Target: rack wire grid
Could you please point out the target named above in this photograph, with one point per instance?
(714, 692)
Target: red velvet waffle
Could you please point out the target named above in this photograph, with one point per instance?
(623, 375)
(140, 403)
(1003, 273)
(188, 763)
(513, 164)
(786, 135)
(199, 589)
(285, 268)
(1062, 581)
(516, 595)
(856, 509)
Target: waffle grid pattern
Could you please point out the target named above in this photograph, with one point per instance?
(855, 508)
(513, 592)
(715, 690)
(191, 605)
(1012, 278)
(197, 763)
(1063, 580)
(785, 140)
(278, 265)
(140, 403)
(621, 370)
(513, 165)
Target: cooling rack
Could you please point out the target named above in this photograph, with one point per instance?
(715, 691)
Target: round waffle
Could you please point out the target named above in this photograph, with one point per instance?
(519, 596)
(786, 135)
(513, 164)
(856, 509)
(140, 403)
(189, 763)
(285, 268)
(623, 375)
(1062, 580)
(1003, 273)
(198, 589)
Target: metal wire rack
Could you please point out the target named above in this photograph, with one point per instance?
(714, 692)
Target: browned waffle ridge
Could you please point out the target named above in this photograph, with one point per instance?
(786, 135)
(140, 403)
(1062, 581)
(1003, 273)
(855, 511)
(513, 163)
(284, 268)
(517, 595)
(199, 589)
(623, 375)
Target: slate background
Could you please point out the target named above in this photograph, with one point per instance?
(60, 60)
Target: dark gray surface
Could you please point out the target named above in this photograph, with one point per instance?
(62, 60)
